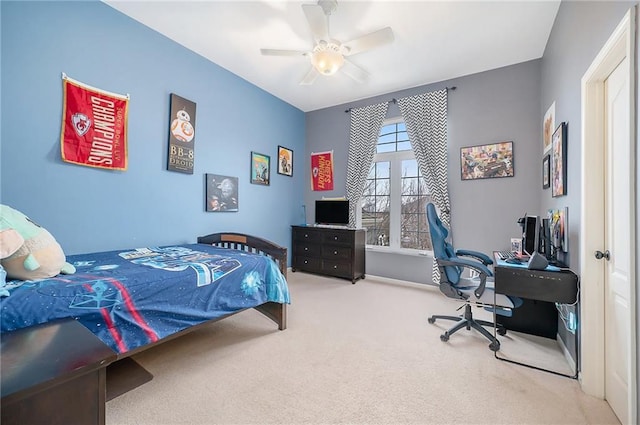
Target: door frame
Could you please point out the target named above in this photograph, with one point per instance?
(592, 272)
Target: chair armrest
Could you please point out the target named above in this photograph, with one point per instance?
(486, 260)
(470, 264)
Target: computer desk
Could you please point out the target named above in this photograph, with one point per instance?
(540, 290)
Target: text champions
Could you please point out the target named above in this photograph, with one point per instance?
(106, 141)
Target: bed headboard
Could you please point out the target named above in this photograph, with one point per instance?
(249, 243)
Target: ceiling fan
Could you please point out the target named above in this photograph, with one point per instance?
(329, 55)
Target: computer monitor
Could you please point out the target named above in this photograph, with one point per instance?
(530, 234)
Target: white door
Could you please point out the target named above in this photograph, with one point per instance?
(618, 276)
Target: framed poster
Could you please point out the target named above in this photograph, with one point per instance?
(559, 161)
(221, 193)
(285, 161)
(548, 126)
(260, 168)
(546, 182)
(182, 135)
(486, 161)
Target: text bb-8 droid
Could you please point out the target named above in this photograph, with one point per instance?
(181, 128)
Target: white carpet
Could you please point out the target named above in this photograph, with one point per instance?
(352, 354)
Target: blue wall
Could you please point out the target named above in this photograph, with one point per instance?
(89, 209)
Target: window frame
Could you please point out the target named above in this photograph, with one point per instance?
(395, 159)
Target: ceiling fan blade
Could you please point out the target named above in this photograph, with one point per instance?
(310, 77)
(369, 41)
(278, 52)
(354, 71)
(317, 21)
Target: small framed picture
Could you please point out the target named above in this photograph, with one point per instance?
(558, 170)
(285, 161)
(546, 172)
(221, 193)
(260, 168)
(516, 245)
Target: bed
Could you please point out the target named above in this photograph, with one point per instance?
(137, 298)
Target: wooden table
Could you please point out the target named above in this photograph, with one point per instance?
(53, 373)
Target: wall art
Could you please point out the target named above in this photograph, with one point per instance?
(285, 161)
(548, 126)
(487, 161)
(260, 168)
(559, 161)
(182, 135)
(221, 193)
(546, 181)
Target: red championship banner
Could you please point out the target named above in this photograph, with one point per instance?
(322, 171)
(94, 126)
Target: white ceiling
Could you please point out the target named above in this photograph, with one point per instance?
(434, 40)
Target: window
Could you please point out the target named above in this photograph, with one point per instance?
(393, 206)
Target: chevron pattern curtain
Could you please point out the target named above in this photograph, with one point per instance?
(365, 128)
(425, 116)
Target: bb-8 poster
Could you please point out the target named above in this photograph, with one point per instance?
(182, 135)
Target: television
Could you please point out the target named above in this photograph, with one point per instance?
(332, 212)
(530, 234)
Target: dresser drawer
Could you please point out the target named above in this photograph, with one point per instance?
(306, 249)
(336, 252)
(308, 235)
(306, 263)
(337, 237)
(336, 268)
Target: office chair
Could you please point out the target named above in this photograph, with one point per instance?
(472, 290)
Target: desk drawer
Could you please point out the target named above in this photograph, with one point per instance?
(560, 287)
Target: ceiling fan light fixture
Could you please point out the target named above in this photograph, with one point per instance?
(327, 59)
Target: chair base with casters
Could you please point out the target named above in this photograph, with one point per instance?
(467, 321)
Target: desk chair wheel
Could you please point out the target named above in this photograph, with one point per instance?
(494, 346)
(502, 331)
(431, 320)
(444, 337)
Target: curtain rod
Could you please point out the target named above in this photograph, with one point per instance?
(394, 100)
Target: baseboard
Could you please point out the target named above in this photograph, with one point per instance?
(397, 281)
(566, 353)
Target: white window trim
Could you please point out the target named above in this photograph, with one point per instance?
(395, 158)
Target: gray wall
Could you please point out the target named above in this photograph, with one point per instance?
(493, 106)
(581, 29)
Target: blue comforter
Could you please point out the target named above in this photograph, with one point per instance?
(136, 297)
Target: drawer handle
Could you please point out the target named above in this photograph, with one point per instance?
(306, 248)
(335, 252)
(335, 267)
(335, 238)
(306, 261)
(306, 235)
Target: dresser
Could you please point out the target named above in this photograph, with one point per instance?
(329, 251)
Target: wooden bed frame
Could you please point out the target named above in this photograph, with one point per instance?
(98, 374)
(238, 241)
(125, 374)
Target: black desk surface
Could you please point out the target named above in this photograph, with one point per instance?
(39, 357)
(552, 284)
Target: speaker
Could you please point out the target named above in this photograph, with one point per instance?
(537, 262)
